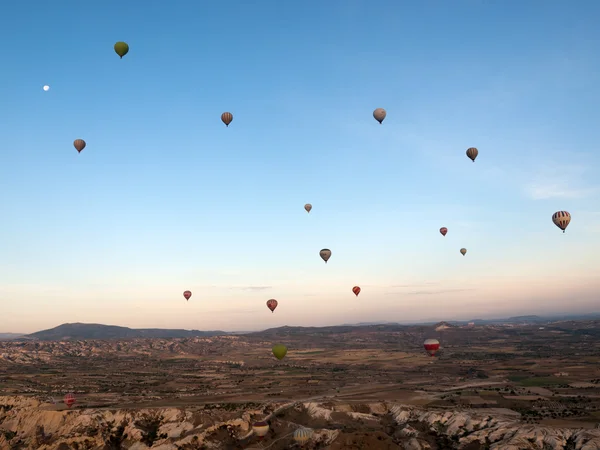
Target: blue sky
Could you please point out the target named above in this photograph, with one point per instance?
(165, 198)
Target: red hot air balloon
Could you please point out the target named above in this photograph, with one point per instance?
(69, 400)
(443, 230)
(272, 304)
(187, 294)
(356, 290)
(431, 346)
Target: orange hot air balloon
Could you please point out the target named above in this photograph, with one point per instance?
(79, 144)
(272, 304)
(227, 118)
(69, 400)
(443, 230)
(356, 290)
(187, 294)
(431, 346)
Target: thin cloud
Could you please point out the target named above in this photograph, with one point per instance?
(434, 292)
(416, 285)
(560, 182)
(252, 288)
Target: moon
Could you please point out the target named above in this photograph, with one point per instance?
(46, 87)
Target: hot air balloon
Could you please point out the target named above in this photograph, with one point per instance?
(443, 230)
(260, 429)
(226, 117)
(472, 153)
(279, 350)
(463, 251)
(431, 346)
(302, 435)
(188, 294)
(79, 144)
(379, 115)
(325, 254)
(308, 207)
(121, 48)
(69, 400)
(561, 219)
(272, 304)
(356, 290)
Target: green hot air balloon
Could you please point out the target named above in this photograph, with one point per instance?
(279, 350)
(121, 48)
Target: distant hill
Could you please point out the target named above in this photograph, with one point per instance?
(7, 336)
(96, 331)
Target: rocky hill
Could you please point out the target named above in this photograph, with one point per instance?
(28, 423)
(97, 331)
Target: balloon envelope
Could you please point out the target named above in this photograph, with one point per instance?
(561, 219)
(308, 207)
(121, 48)
(464, 251)
(260, 429)
(79, 144)
(472, 153)
(226, 117)
(443, 230)
(302, 435)
(356, 290)
(325, 254)
(431, 346)
(279, 350)
(379, 115)
(69, 400)
(272, 304)
(188, 294)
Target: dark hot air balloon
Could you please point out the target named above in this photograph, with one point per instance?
(272, 304)
(463, 251)
(226, 117)
(308, 207)
(561, 219)
(325, 254)
(279, 350)
(356, 290)
(188, 294)
(443, 230)
(431, 346)
(121, 49)
(472, 153)
(379, 115)
(69, 400)
(79, 144)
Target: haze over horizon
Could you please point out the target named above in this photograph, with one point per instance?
(165, 198)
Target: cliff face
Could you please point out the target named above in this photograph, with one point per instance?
(27, 423)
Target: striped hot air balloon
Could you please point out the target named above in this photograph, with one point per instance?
(431, 346)
(356, 290)
(69, 400)
(79, 144)
(302, 435)
(260, 429)
(226, 117)
(561, 219)
(472, 153)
